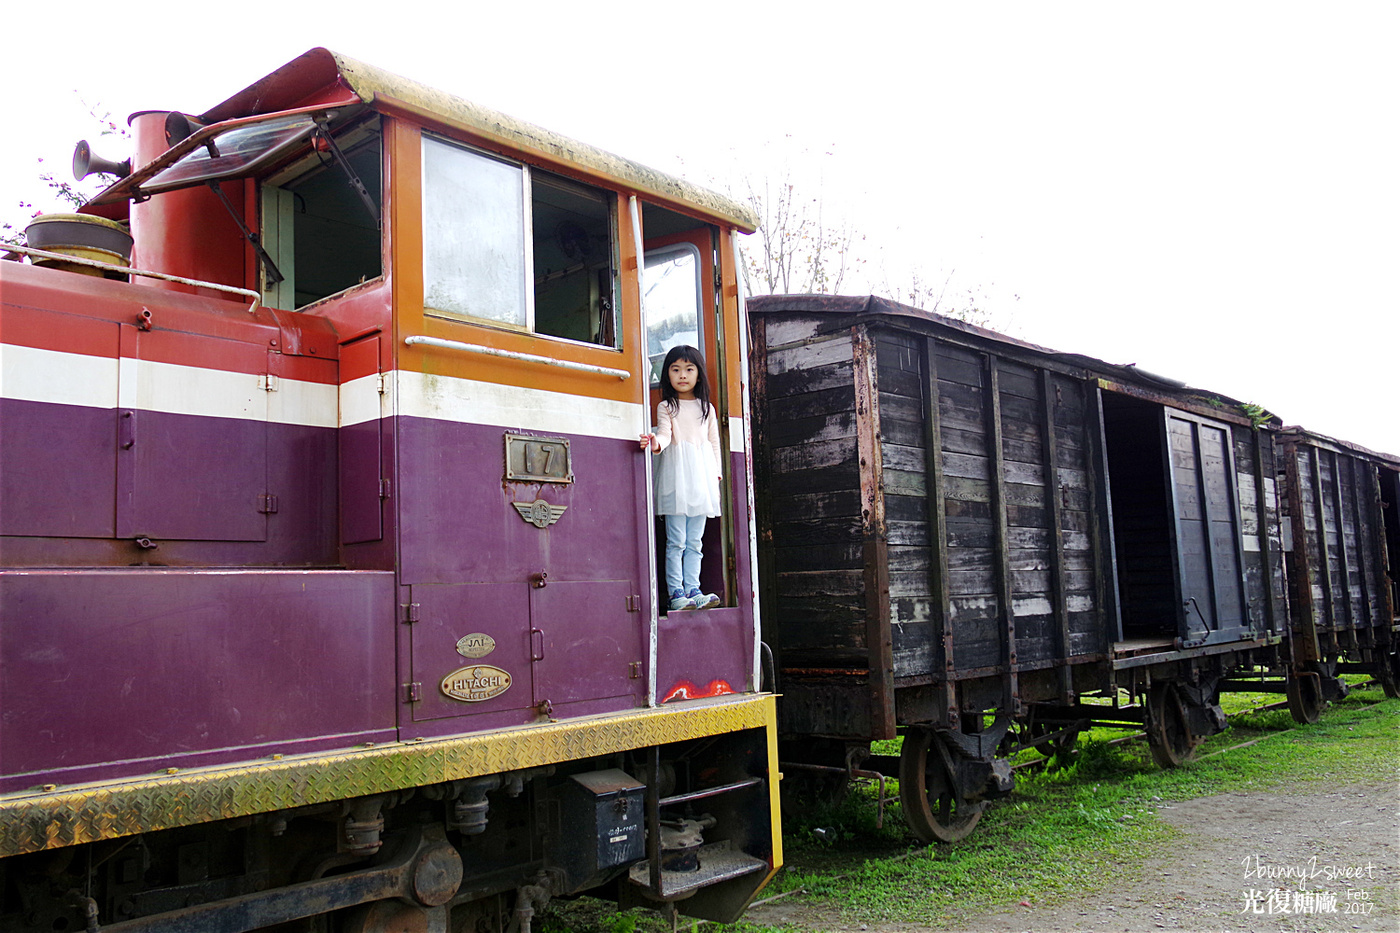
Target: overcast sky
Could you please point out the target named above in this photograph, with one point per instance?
(1208, 190)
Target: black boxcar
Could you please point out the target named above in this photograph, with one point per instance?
(964, 534)
(1343, 511)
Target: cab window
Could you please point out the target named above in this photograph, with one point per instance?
(318, 230)
(512, 246)
(671, 286)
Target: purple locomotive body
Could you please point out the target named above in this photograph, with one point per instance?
(329, 581)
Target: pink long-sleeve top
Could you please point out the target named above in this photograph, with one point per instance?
(688, 427)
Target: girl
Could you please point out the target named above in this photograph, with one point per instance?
(688, 472)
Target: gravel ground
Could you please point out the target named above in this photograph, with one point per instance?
(1256, 862)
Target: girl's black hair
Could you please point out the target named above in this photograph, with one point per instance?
(702, 382)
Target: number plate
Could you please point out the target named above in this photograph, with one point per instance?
(538, 459)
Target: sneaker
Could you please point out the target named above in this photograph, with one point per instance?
(681, 601)
(702, 600)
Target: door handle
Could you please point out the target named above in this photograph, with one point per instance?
(536, 655)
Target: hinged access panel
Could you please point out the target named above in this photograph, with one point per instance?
(585, 642)
(191, 440)
(471, 649)
(495, 647)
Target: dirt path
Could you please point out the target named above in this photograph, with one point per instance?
(1325, 860)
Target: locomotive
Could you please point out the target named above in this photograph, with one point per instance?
(329, 570)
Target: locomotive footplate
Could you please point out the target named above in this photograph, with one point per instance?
(52, 817)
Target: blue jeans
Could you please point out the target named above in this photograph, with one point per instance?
(684, 536)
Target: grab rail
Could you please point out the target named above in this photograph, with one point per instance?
(420, 340)
(127, 270)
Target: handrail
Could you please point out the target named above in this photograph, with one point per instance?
(709, 792)
(420, 340)
(127, 270)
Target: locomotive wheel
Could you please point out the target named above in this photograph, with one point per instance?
(1168, 727)
(389, 916)
(1304, 697)
(926, 792)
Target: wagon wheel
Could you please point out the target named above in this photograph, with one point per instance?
(1305, 701)
(1063, 744)
(1168, 726)
(1389, 675)
(926, 792)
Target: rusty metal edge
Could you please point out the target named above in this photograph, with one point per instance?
(51, 817)
(1186, 654)
(878, 637)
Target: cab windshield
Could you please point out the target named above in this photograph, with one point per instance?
(235, 151)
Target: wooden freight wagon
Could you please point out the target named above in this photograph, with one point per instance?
(962, 534)
(1343, 510)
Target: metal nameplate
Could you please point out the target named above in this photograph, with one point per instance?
(532, 459)
(476, 645)
(539, 513)
(477, 683)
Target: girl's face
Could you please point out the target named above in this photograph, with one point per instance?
(683, 374)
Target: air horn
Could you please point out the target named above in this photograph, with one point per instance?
(85, 163)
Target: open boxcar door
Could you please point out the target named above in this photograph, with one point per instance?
(1210, 562)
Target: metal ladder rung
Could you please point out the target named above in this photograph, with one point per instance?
(709, 792)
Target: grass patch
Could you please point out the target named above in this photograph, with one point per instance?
(1077, 826)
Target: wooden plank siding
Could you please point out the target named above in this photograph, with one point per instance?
(928, 517)
(881, 577)
(1000, 570)
(938, 525)
(1338, 580)
(814, 502)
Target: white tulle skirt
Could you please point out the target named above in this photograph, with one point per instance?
(686, 481)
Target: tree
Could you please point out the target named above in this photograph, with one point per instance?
(964, 305)
(799, 251)
(804, 244)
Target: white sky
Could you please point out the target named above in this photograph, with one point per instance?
(1209, 190)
